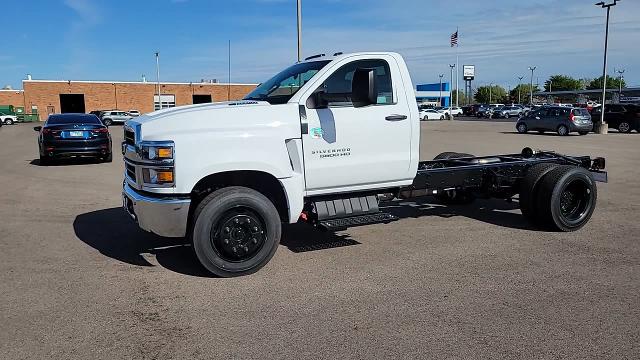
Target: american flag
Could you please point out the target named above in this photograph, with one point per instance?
(454, 39)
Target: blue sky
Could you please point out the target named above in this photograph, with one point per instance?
(116, 39)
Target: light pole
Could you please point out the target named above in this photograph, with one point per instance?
(519, 87)
(602, 126)
(490, 91)
(158, 79)
(440, 98)
(299, 12)
(452, 66)
(532, 68)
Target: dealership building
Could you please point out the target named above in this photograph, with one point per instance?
(44, 97)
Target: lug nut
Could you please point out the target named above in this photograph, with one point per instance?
(255, 228)
(234, 249)
(226, 229)
(226, 241)
(254, 240)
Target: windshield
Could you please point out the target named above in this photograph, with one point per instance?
(280, 88)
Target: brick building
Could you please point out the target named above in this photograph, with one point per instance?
(53, 96)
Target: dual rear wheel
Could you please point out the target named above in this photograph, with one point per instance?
(558, 197)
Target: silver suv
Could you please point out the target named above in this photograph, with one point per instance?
(115, 116)
(507, 111)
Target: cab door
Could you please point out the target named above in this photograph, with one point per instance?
(359, 147)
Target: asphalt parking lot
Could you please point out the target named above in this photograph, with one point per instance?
(80, 280)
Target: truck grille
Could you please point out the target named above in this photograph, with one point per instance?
(129, 137)
(131, 171)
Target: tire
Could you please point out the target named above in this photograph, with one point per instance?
(107, 122)
(624, 127)
(442, 117)
(506, 116)
(563, 130)
(583, 132)
(8, 122)
(529, 187)
(566, 199)
(108, 158)
(252, 224)
(522, 128)
(454, 197)
(540, 131)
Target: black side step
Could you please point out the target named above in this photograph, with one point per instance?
(343, 223)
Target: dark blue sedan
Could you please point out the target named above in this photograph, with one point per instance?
(73, 135)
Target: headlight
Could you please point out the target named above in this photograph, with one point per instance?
(157, 150)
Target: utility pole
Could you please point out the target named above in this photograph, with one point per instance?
(519, 88)
(532, 68)
(440, 98)
(602, 126)
(299, 30)
(452, 66)
(158, 79)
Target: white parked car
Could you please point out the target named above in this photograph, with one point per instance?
(8, 119)
(431, 114)
(454, 110)
(134, 113)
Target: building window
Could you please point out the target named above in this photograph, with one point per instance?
(168, 101)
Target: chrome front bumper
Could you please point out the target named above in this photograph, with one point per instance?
(164, 216)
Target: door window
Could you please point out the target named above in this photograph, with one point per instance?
(338, 86)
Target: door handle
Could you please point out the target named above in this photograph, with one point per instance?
(396, 117)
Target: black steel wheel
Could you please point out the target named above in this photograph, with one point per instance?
(566, 199)
(236, 231)
(238, 235)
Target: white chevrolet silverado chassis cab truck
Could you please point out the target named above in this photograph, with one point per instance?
(321, 142)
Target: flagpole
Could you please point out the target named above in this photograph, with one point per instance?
(457, 68)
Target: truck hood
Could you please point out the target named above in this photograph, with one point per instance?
(195, 109)
(223, 119)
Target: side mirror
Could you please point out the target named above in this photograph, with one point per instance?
(364, 91)
(37, 128)
(317, 100)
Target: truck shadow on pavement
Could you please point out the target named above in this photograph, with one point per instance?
(66, 162)
(492, 211)
(115, 235)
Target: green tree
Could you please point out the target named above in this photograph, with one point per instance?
(562, 83)
(525, 93)
(460, 93)
(612, 83)
(493, 94)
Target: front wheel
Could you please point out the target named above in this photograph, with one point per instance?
(522, 128)
(506, 116)
(583, 132)
(563, 130)
(107, 122)
(8, 122)
(236, 231)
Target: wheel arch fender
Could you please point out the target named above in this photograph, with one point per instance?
(286, 194)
